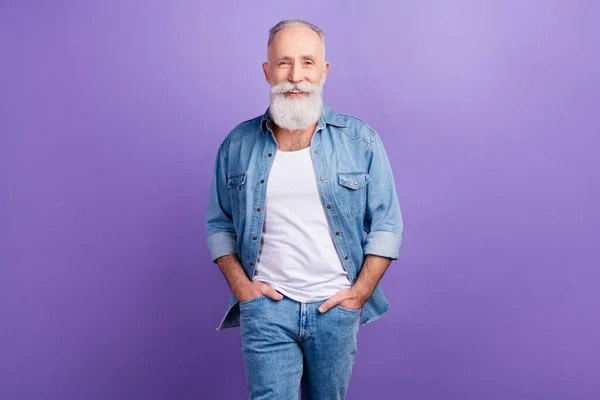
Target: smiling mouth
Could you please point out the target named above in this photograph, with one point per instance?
(295, 93)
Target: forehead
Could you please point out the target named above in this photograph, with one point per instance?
(294, 41)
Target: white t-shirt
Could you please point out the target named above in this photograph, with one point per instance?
(297, 256)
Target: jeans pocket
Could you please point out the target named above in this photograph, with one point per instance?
(253, 300)
(349, 310)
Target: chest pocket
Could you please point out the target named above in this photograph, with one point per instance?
(236, 182)
(353, 192)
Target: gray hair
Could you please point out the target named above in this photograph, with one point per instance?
(288, 23)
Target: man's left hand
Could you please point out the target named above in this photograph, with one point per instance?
(349, 298)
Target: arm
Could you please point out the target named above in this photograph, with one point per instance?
(222, 238)
(383, 219)
(355, 297)
(239, 284)
(383, 224)
(371, 273)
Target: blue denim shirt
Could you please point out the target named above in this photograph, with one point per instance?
(355, 184)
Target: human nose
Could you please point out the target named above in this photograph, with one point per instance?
(295, 74)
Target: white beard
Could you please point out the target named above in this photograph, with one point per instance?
(296, 113)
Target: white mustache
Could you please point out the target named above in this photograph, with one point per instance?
(287, 86)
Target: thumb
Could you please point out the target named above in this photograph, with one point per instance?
(271, 293)
(330, 303)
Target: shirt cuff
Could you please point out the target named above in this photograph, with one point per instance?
(222, 244)
(383, 244)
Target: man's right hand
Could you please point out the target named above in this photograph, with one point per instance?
(254, 289)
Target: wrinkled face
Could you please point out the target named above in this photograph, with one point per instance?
(296, 71)
(296, 54)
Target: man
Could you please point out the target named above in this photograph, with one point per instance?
(293, 192)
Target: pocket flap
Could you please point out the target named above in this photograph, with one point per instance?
(235, 180)
(354, 180)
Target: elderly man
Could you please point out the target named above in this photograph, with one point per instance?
(293, 192)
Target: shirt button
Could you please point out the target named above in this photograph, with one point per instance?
(262, 181)
(258, 209)
(322, 178)
(355, 183)
(316, 151)
(251, 263)
(337, 234)
(328, 206)
(270, 154)
(345, 258)
(254, 238)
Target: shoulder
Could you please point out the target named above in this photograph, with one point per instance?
(240, 131)
(354, 127)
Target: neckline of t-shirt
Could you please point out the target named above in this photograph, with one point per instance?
(295, 152)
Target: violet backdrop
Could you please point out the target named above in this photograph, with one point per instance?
(110, 116)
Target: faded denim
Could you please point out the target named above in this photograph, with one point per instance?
(287, 344)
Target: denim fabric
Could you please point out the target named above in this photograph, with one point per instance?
(287, 344)
(355, 184)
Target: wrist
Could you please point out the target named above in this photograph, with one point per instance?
(239, 288)
(361, 292)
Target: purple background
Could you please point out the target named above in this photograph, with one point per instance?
(110, 116)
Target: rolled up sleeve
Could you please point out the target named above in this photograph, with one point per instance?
(383, 244)
(221, 244)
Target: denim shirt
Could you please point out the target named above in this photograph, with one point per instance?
(355, 184)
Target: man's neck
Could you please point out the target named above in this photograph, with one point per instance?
(293, 140)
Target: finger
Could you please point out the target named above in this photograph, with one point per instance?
(330, 303)
(271, 293)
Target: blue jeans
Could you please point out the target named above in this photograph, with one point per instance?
(287, 345)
